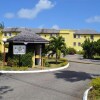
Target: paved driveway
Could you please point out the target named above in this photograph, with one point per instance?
(68, 84)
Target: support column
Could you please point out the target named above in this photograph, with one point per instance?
(40, 55)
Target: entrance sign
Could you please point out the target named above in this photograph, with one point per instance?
(19, 49)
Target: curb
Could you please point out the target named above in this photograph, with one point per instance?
(85, 96)
(83, 62)
(37, 71)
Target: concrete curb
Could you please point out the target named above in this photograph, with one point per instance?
(83, 62)
(85, 96)
(37, 71)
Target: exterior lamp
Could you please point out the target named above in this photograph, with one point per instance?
(25, 43)
(4, 41)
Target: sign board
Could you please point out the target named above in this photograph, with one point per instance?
(19, 49)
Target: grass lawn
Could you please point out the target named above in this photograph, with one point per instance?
(51, 62)
(8, 68)
(97, 57)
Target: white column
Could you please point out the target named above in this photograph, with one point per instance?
(40, 55)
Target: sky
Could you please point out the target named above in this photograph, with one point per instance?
(57, 14)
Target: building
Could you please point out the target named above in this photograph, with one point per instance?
(73, 38)
(31, 41)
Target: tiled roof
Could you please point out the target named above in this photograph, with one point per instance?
(26, 36)
(86, 31)
(35, 30)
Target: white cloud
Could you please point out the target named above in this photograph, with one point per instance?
(55, 27)
(9, 15)
(95, 19)
(32, 13)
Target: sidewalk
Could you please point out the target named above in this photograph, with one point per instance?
(79, 59)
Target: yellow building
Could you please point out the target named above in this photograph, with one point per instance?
(5, 34)
(73, 38)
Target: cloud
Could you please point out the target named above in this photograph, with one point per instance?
(9, 15)
(95, 19)
(55, 27)
(32, 13)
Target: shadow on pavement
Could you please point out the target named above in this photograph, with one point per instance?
(4, 90)
(73, 76)
(1, 74)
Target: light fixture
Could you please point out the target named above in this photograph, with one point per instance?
(25, 43)
(4, 39)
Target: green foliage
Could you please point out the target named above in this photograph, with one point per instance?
(1, 25)
(50, 62)
(1, 56)
(71, 51)
(88, 48)
(25, 60)
(91, 48)
(95, 92)
(14, 68)
(80, 52)
(97, 47)
(47, 64)
(96, 83)
(57, 46)
(12, 62)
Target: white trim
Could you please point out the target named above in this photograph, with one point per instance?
(85, 96)
(37, 71)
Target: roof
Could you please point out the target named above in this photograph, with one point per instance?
(49, 31)
(86, 31)
(35, 30)
(26, 36)
(11, 30)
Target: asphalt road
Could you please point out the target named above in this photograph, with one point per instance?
(68, 84)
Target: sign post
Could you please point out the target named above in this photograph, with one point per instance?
(19, 50)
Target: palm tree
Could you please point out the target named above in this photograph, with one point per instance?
(1, 25)
(57, 46)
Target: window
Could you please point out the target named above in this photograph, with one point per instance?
(74, 35)
(79, 44)
(9, 34)
(84, 36)
(78, 36)
(74, 43)
(5, 34)
(92, 37)
(50, 35)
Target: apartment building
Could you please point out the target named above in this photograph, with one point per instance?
(73, 38)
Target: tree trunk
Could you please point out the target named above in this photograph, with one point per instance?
(56, 58)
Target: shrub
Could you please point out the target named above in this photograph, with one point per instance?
(12, 62)
(80, 52)
(26, 59)
(1, 56)
(96, 83)
(47, 64)
(71, 51)
(95, 92)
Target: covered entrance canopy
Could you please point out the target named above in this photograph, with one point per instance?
(32, 41)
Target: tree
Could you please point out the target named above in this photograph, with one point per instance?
(1, 25)
(88, 48)
(97, 47)
(57, 46)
